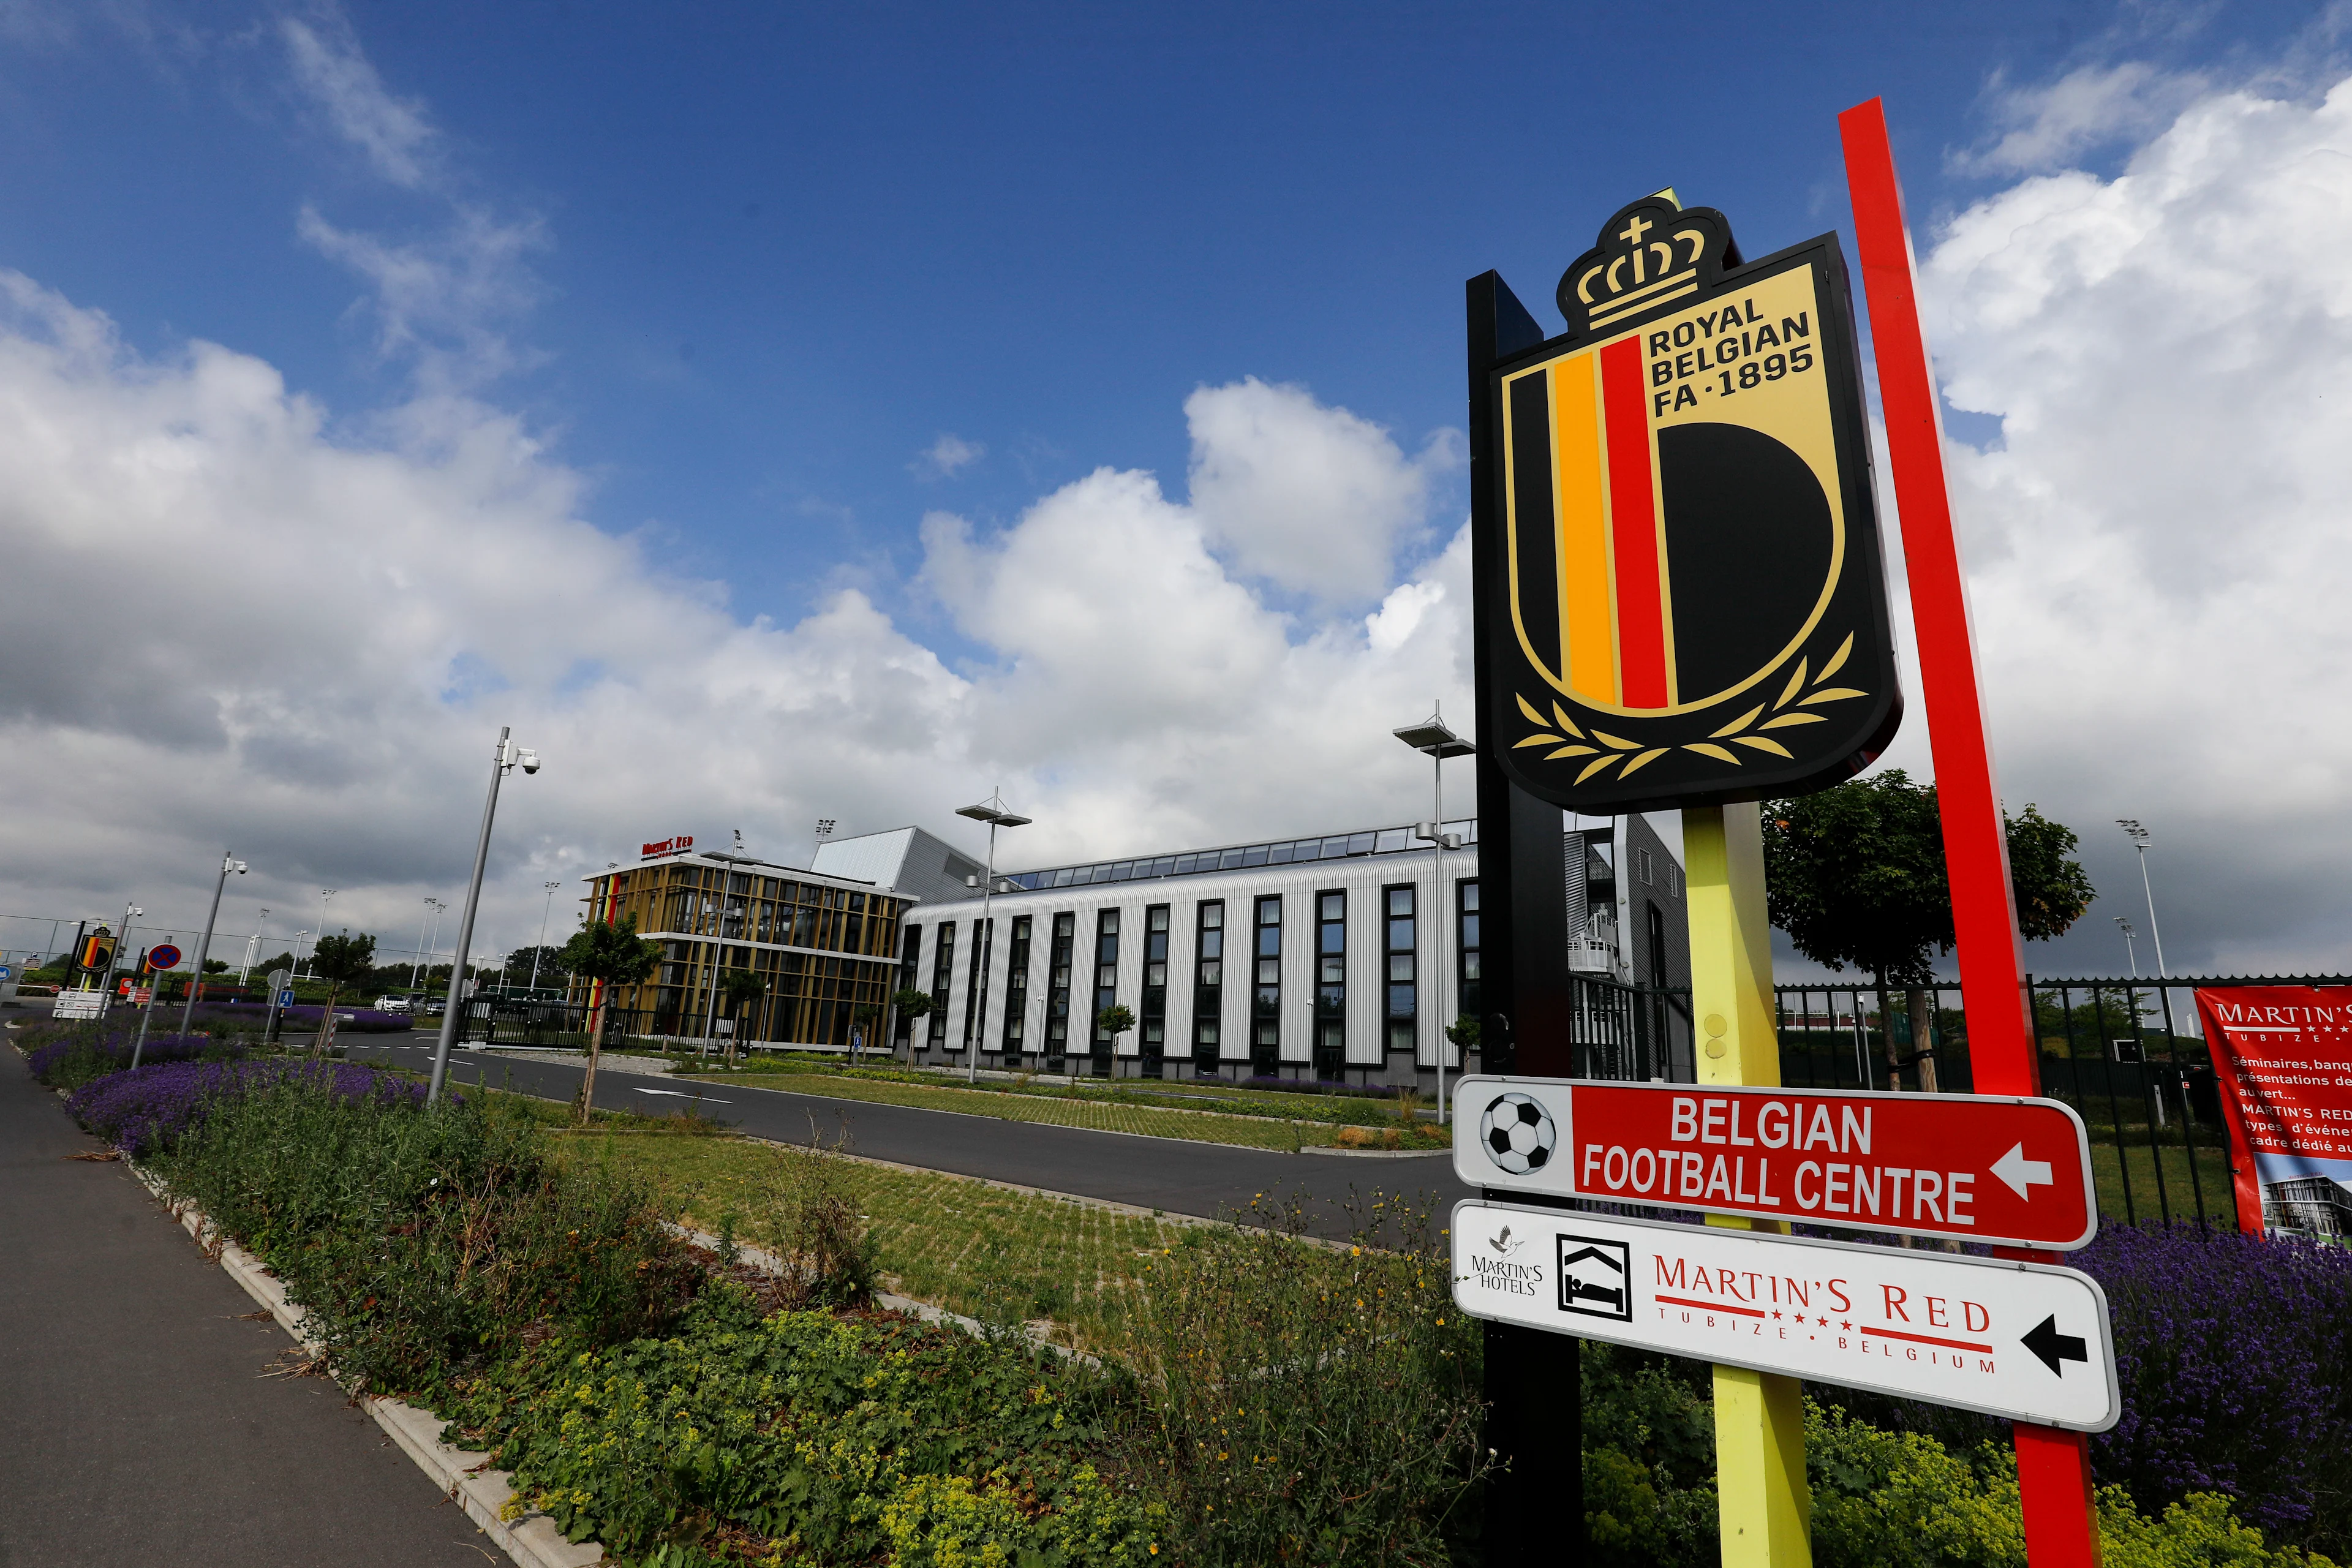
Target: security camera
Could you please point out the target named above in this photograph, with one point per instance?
(240, 868)
(529, 759)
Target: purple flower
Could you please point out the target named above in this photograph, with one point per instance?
(141, 1110)
(2233, 1353)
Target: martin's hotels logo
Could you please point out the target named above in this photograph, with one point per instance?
(1498, 1265)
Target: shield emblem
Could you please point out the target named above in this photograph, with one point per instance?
(1679, 555)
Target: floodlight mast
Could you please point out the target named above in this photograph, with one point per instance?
(1436, 739)
(991, 811)
(2140, 837)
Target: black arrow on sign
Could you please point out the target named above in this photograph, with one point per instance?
(2053, 1347)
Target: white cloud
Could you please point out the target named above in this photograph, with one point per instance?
(2156, 543)
(946, 457)
(2042, 125)
(1313, 499)
(226, 626)
(396, 134)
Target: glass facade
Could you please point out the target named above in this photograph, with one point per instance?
(905, 1028)
(1105, 988)
(822, 950)
(975, 1011)
(1057, 1006)
(1403, 1007)
(1265, 1009)
(1330, 985)
(1152, 1020)
(1466, 896)
(942, 977)
(1208, 983)
(1016, 988)
(1278, 852)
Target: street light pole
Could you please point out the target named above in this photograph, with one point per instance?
(543, 914)
(1435, 737)
(2130, 952)
(229, 863)
(2140, 837)
(991, 811)
(502, 760)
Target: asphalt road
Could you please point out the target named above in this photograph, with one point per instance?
(136, 1423)
(1211, 1180)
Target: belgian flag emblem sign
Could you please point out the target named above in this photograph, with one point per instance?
(1683, 595)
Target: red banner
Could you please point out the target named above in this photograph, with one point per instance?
(2283, 1057)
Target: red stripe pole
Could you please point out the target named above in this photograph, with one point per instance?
(2053, 1468)
(1633, 527)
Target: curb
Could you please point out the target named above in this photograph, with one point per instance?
(462, 1477)
(1374, 1154)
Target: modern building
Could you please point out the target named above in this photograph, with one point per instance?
(1337, 957)
(2316, 1207)
(824, 946)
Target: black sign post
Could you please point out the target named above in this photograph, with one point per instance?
(1535, 1413)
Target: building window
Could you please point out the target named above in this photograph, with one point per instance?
(1466, 938)
(1016, 987)
(1673, 880)
(942, 977)
(1265, 1021)
(975, 987)
(1208, 984)
(1641, 864)
(1105, 985)
(909, 956)
(1153, 1023)
(1331, 985)
(1057, 993)
(1403, 992)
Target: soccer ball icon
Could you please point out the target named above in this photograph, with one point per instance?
(1517, 1133)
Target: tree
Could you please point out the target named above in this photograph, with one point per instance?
(617, 955)
(1855, 876)
(550, 964)
(862, 1019)
(215, 967)
(911, 1005)
(1115, 1021)
(737, 988)
(339, 961)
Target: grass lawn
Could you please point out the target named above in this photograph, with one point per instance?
(962, 1244)
(2109, 1170)
(1245, 1118)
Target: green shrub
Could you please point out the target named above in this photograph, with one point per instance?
(818, 1437)
(425, 1242)
(1310, 1404)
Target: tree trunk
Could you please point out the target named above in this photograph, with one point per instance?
(1886, 1033)
(1923, 1035)
(595, 1044)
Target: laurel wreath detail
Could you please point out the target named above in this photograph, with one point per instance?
(1785, 711)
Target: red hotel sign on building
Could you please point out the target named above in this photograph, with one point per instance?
(2014, 1171)
(2284, 1056)
(677, 846)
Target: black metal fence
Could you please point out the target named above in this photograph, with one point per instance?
(2125, 1053)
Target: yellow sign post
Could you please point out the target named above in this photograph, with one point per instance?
(1759, 1417)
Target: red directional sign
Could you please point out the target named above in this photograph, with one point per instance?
(1986, 1168)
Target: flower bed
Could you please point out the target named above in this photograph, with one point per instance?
(143, 1110)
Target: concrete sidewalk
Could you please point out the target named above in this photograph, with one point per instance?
(136, 1425)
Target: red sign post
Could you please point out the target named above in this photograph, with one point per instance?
(1973, 1167)
(2053, 1468)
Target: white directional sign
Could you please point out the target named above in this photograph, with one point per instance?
(2026, 1340)
(82, 1004)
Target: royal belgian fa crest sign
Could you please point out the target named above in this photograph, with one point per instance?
(1682, 598)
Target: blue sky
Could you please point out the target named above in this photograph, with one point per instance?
(787, 412)
(779, 251)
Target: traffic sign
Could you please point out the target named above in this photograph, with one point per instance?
(163, 955)
(1988, 1168)
(286, 998)
(2030, 1341)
